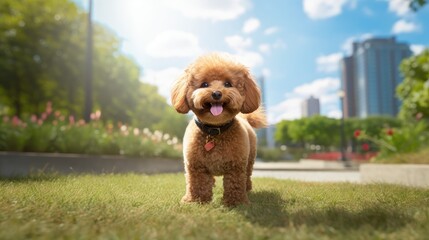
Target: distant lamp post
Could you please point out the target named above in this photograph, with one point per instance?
(341, 94)
(88, 68)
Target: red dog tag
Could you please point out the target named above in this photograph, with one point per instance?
(209, 145)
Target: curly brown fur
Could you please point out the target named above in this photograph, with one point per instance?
(235, 149)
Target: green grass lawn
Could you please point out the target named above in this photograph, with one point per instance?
(148, 207)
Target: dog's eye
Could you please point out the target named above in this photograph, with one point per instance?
(228, 84)
(204, 85)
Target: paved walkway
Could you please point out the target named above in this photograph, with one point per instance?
(312, 176)
(308, 170)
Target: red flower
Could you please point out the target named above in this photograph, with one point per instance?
(357, 133)
(365, 147)
(389, 132)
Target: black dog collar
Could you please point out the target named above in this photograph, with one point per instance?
(213, 130)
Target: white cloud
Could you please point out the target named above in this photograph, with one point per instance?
(249, 58)
(336, 113)
(163, 79)
(318, 87)
(251, 25)
(347, 46)
(417, 49)
(320, 9)
(403, 26)
(326, 89)
(400, 7)
(271, 30)
(211, 10)
(174, 43)
(238, 43)
(329, 63)
(265, 48)
(266, 72)
(288, 109)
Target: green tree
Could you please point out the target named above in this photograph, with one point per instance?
(324, 131)
(34, 36)
(415, 5)
(42, 51)
(317, 130)
(281, 135)
(414, 90)
(153, 112)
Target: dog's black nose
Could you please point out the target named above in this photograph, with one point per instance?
(216, 95)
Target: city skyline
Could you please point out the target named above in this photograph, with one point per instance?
(295, 45)
(370, 76)
(310, 107)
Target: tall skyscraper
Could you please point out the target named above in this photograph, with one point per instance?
(265, 135)
(310, 107)
(370, 77)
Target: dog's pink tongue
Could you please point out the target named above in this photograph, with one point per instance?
(216, 109)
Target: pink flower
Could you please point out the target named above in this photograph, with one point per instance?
(81, 122)
(33, 118)
(44, 116)
(71, 120)
(419, 116)
(97, 114)
(15, 121)
(48, 107)
(40, 122)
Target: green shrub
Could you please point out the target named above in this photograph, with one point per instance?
(51, 133)
(411, 137)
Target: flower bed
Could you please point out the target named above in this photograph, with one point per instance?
(56, 133)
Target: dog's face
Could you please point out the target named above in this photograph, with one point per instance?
(215, 88)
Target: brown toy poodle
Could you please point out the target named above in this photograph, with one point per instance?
(220, 140)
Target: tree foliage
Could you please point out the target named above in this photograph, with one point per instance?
(414, 90)
(42, 58)
(415, 5)
(318, 130)
(326, 132)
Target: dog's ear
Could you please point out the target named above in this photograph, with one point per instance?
(178, 93)
(252, 94)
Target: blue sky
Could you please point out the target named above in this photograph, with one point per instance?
(295, 44)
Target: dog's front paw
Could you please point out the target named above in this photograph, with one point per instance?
(186, 199)
(190, 199)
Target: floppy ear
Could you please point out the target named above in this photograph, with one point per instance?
(178, 94)
(252, 95)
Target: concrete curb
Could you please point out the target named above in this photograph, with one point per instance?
(13, 164)
(414, 175)
(305, 165)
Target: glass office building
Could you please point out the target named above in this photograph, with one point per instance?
(310, 107)
(370, 77)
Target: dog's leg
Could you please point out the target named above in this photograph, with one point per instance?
(249, 171)
(234, 184)
(199, 187)
(251, 161)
